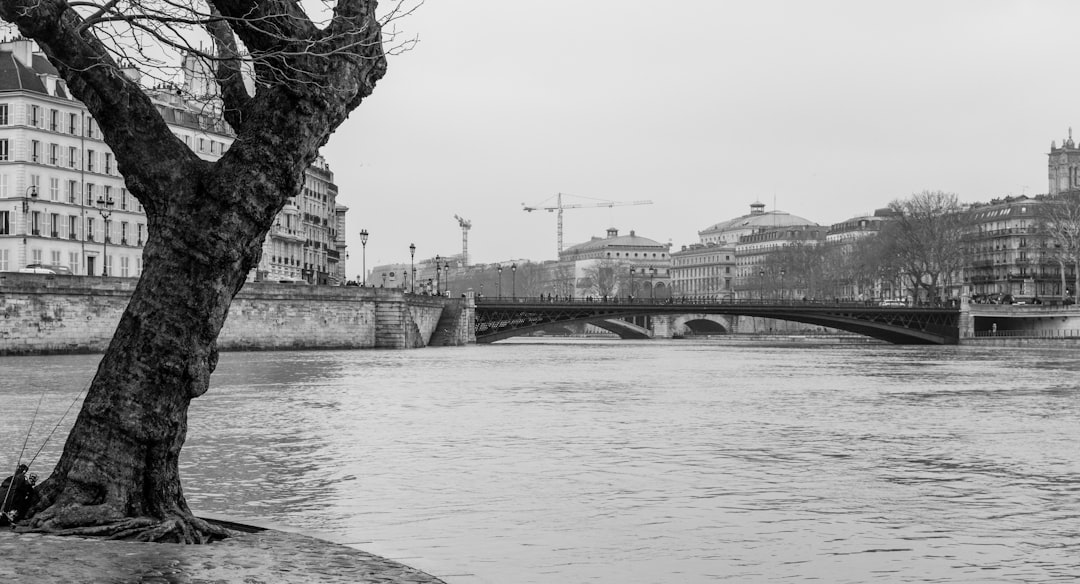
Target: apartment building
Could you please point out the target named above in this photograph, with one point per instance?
(64, 203)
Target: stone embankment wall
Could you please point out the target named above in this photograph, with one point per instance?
(78, 314)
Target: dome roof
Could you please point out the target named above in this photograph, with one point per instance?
(615, 240)
(758, 217)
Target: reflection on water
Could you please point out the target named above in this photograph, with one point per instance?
(640, 462)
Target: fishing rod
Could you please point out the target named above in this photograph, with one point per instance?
(19, 464)
(61, 420)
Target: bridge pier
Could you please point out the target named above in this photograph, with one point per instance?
(661, 326)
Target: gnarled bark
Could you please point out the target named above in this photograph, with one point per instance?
(118, 475)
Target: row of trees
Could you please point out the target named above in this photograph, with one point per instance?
(921, 250)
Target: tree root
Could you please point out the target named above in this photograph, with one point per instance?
(186, 530)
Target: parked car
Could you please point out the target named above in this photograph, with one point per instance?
(45, 269)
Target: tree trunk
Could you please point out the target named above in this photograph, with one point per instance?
(119, 473)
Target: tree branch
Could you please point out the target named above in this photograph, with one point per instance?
(127, 117)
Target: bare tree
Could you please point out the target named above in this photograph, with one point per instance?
(118, 474)
(560, 280)
(1059, 222)
(926, 239)
(601, 278)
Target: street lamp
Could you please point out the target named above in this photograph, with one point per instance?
(438, 276)
(446, 276)
(500, 281)
(782, 293)
(105, 208)
(761, 286)
(31, 192)
(513, 281)
(412, 265)
(363, 242)
(652, 286)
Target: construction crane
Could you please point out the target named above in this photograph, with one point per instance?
(465, 225)
(559, 206)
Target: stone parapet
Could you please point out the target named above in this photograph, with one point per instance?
(78, 314)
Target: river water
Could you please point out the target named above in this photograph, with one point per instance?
(636, 462)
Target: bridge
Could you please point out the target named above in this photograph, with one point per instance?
(499, 318)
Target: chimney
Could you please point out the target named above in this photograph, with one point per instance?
(22, 49)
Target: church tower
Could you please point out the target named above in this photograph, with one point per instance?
(1064, 166)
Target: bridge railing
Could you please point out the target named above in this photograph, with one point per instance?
(1031, 334)
(697, 301)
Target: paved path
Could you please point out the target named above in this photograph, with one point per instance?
(260, 557)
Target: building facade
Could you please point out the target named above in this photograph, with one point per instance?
(703, 271)
(63, 201)
(615, 265)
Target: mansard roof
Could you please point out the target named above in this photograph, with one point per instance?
(14, 76)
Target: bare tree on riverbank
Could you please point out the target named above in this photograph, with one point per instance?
(118, 474)
(1059, 221)
(926, 237)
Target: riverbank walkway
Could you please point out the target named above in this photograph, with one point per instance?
(254, 556)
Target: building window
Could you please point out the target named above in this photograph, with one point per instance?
(73, 157)
(89, 229)
(35, 150)
(54, 189)
(54, 121)
(3, 114)
(90, 128)
(73, 226)
(108, 163)
(5, 226)
(73, 189)
(123, 232)
(35, 115)
(90, 155)
(4, 149)
(54, 154)
(124, 267)
(73, 262)
(73, 124)
(89, 194)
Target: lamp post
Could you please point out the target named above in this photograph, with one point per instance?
(30, 193)
(105, 208)
(782, 293)
(446, 276)
(438, 276)
(631, 295)
(513, 281)
(761, 286)
(412, 265)
(652, 286)
(500, 281)
(363, 242)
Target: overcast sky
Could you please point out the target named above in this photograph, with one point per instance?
(830, 109)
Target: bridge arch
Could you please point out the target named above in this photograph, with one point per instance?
(501, 318)
(702, 324)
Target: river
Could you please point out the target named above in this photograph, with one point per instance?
(543, 462)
